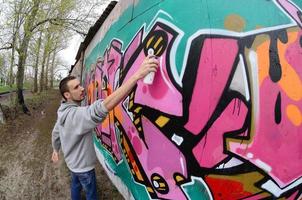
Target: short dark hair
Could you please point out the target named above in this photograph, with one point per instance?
(63, 85)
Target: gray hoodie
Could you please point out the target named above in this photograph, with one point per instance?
(73, 133)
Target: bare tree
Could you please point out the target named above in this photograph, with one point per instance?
(33, 17)
(29, 27)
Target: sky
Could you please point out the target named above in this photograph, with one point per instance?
(68, 55)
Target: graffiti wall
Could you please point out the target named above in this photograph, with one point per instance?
(223, 117)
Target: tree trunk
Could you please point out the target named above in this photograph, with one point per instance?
(12, 60)
(42, 70)
(11, 76)
(37, 64)
(20, 73)
(46, 72)
(2, 117)
(52, 69)
(45, 55)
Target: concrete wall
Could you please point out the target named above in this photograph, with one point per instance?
(222, 119)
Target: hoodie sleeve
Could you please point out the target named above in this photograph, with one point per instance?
(55, 139)
(87, 118)
(98, 111)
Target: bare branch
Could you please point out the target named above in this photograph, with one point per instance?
(6, 47)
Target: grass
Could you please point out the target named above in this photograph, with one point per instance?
(32, 101)
(6, 88)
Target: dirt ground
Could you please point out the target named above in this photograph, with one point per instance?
(26, 171)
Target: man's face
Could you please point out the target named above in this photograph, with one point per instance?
(76, 91)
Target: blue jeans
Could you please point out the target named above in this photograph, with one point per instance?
(85, 180)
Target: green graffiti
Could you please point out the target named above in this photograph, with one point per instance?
(197, 189)
(298, 3)
(193, 16)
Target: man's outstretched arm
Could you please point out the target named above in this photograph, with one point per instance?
(88, 117)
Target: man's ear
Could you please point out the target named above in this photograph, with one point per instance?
(67, 95)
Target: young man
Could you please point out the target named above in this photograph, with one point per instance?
(73, 130)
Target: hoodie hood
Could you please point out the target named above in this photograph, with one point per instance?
(63, 111)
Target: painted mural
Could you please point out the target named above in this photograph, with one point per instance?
(223, 117)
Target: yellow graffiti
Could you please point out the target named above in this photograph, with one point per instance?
(162, 121)
(149, 41)
(234, 23)
(158, 42)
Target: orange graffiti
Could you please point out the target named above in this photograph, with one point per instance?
(290, 81)
(263, 60)
(294, 114)
(118, 114)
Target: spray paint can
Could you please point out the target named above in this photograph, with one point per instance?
(148, 79)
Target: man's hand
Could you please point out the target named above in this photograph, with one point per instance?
(150, 64)
(55, 156)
